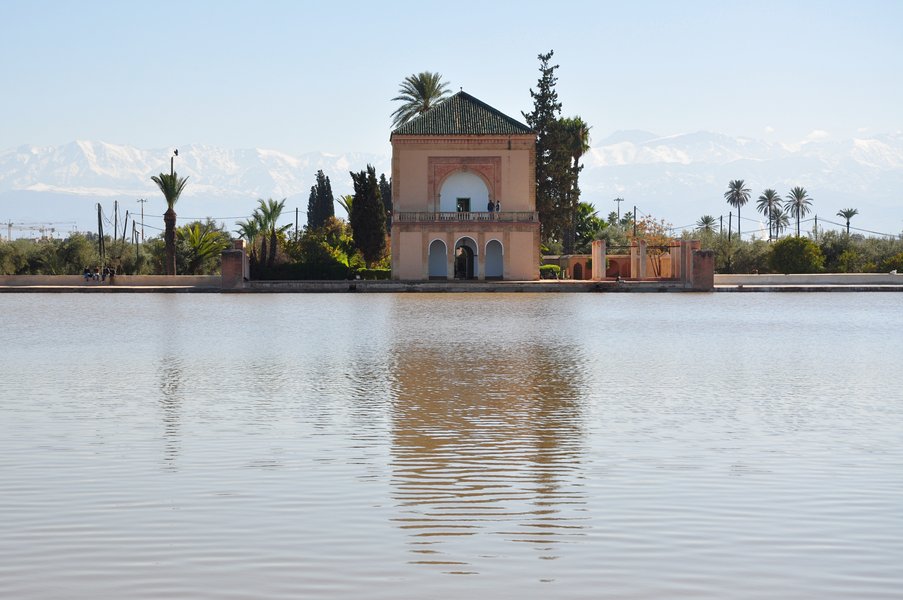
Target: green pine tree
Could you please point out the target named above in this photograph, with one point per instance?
(385, 190)
(368, 216)
(553, 156)
(320, 205)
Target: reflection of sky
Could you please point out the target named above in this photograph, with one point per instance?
(643, 445)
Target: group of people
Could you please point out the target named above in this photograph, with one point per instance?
(99, 275)
(494, 207)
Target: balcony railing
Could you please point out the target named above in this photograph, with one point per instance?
(436, 217)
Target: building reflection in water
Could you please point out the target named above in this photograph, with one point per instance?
(486, 453)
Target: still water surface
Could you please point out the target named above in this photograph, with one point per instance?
(432, 446)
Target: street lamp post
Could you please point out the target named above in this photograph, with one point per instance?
(172, 158)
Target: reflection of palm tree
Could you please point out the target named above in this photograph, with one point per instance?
(171, 377)
(848, 213)
(768, 202)
(736, 195)
(798, 201)
(171, 185)
(418, 93)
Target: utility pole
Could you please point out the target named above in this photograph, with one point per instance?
(816, 228)
(100, 244)
(296, 223)
(619, 200)
(142, 201)
(115, 220)
(730, 225)
(720, 225)
(634, 221)
(125, 224)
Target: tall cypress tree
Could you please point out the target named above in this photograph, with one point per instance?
(368, 216)
(385, 190)
(544, 121)
(320, 204)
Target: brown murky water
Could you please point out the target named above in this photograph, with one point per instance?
(426, 446)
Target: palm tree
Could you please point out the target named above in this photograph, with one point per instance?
(576, 133)
(779, 221)
(418, 93)
(249, 229)
(204, 243)
(848, 213)
(768, 202)
(171, 185)
(346, 202)
(706, 223)
(736, 195)
(798, 201)
(268, 214)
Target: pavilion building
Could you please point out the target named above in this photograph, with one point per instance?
(464, 195)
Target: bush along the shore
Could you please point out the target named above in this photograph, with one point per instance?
(199, 247)
(838, 252)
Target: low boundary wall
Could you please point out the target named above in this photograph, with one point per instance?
(811, 279)
(193, 281)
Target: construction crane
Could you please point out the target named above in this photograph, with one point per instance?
(42, 228)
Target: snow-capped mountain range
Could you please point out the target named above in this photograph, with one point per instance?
(678, 177)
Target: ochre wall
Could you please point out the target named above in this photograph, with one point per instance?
(509, 173)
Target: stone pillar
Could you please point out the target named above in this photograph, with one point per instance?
(598, 254)
(235, 268)
(481, 257)
(450, 274)
(394, 240)
(425, 243)
(634, 265)
(676, 253)
(641, 259)
(703, 278)
(689, 248)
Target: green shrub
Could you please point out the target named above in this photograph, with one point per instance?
(549, 272)
(374, 273)
(751, 256)
(895, 262)
(796, 255)
(851, 261)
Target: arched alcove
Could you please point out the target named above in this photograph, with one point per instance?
(494, 260)
(463, 185)
(438, 260)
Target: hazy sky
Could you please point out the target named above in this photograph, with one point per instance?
(302, 76)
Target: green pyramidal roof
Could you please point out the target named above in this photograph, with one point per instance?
(462, 114)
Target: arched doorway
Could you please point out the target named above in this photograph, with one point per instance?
(578, 271)
(463, 191)
(438, 260)
(494, 263)
(465, 259)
